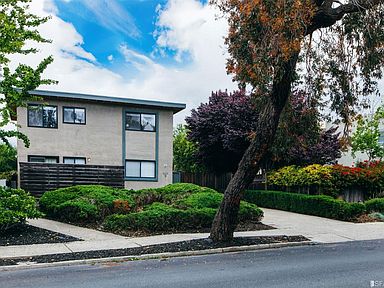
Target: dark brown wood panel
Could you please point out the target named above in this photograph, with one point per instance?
(38, 178)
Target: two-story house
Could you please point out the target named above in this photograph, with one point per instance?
(90, 139)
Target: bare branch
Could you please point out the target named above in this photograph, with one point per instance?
(326, 16)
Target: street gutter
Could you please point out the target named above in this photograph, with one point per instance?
(233, 249)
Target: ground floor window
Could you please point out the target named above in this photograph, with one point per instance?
(43, 159)
(140, 169)
(74, 160)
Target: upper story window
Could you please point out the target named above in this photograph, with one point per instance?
(42, 116)
(74, 115)
(140, 121)
(74, 160)
(43, 159)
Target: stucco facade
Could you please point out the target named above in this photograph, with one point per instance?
(103, 139)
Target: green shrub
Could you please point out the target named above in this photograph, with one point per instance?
(213, 200)
(195, 211)
(375, 205)
(161, 217)
(323, 206)
(16, 206)
(89, 203)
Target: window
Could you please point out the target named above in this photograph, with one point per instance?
(43, 159)
(74, 160)
(73, 115)
(42, 116)
(140, 121)
(140, 169)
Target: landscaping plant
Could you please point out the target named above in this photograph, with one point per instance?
(16, 206)
(178, 206)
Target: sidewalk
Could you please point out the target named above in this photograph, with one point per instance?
(317, 229)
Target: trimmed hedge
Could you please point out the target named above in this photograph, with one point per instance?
(16, 206)
(323, 206)
(162, 217)
(90, 203)
(375, 205)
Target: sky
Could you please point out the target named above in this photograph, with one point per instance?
(165, 50)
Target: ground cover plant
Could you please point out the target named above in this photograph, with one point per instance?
(175, 207)
(16, 206)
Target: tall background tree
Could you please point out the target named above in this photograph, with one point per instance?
(222, 130)
(184, 152)
(340, 43)
(366, 137)
(17, 27)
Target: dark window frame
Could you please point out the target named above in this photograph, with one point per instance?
(42, 115)
(140, 161)
(70, 157)
(74, 123)
(141, 115)
(57, 158)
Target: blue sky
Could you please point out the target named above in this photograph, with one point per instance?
(165, 50)
(105, 25)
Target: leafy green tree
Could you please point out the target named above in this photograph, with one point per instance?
(184, 151)
(8, 163)
(366, 137)
(17, 27)
(338, 43)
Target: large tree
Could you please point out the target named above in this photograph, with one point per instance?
(366, 137)
(338, 43)
(223, 127)
(17, 33)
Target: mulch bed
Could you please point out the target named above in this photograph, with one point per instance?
(192, 245)
(245, 226)
(24, 234)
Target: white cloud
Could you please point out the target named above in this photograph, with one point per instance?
(185, 26)
(110, 58)
(113, 16)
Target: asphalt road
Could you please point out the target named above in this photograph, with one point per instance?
(353, 264)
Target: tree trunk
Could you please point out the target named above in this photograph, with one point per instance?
(225, 221)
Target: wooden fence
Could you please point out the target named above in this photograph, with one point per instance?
(38, 178)
(217, 182)
(220, 183)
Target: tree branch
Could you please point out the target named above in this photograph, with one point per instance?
(326, 16)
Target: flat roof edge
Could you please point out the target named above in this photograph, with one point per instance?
(176, 107)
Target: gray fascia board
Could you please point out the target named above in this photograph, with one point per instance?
(175, 107)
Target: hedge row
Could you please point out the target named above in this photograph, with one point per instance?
(375, 205)
(321, 205)
(331, 179)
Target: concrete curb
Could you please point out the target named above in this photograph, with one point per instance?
(157, 256)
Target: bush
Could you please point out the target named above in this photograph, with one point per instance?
(161, 217)
(16, 206)
(331, 180)
(89, 203)
(319, 205)
(375, 205)
(173, 207)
